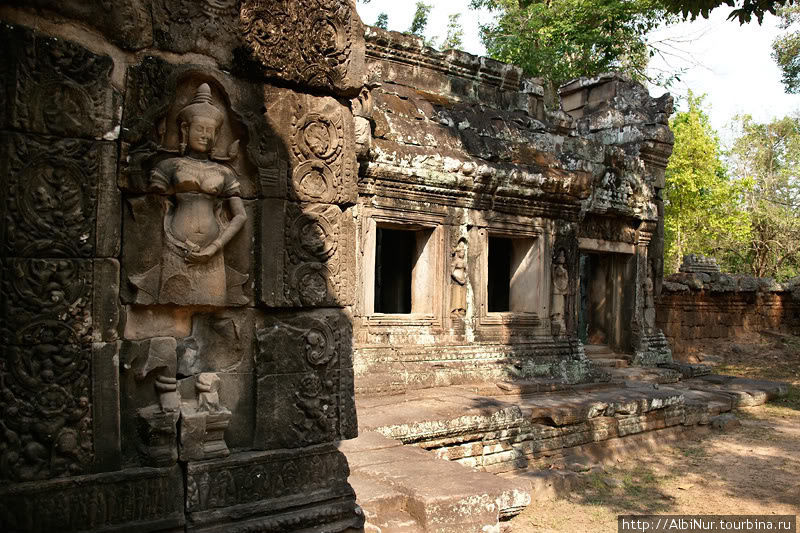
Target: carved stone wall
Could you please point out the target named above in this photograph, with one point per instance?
(177, 265)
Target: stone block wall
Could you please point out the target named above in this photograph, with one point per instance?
(702, 306)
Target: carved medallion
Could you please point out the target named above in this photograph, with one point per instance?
(313, 181)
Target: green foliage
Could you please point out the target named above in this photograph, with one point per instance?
(420, 20)
(562, 39)
(383, 21)
(744, 12)
(786, 49)
(455, 33)
(702, 209)
(766, 158)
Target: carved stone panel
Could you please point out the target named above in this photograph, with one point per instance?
(311, 42)
(208, 27)
(319, 256)
(304, 382)
(45, 369)
(52, 192)
(56, 87)
(319, 134)
(145, 499)
(307, 255)
(284, 478)
(46, 300)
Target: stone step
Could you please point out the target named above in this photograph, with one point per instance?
(406, 487)
(610, 362)
(597, 350)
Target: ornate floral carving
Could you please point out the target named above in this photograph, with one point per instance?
(323, 153)
(45, 427)
(52, 195)
(46, 301)
(306, 41)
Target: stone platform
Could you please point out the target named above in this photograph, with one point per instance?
(464, 458)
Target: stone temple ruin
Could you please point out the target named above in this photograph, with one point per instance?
(230, 225)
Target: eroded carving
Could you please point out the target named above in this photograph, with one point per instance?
(52, 195)
(300, 357)
(306, 41)
(58, 87)
(560, 288)
(313, 262)
(458, 276)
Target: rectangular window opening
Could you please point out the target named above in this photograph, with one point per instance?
(499, 282)
(514, 275)
(403, 271)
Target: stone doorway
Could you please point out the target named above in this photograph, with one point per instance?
(606, 299)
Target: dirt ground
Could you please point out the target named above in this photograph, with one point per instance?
(753, 469)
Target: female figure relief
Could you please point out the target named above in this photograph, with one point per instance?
(196, 226)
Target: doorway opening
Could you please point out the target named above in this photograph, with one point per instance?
(606, 303)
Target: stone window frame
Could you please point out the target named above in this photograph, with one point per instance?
(371, 219)
(494, 319)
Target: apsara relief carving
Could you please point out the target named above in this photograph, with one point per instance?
(197, 188)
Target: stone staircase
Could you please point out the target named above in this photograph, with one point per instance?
(604, 357)
(465, 458)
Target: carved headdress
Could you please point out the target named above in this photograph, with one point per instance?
(201, 106)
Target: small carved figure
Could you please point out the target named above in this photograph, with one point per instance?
(649, 302)
(560, 287)
(458, 289)
(196, 227)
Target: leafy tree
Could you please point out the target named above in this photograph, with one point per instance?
(420, 20)
(744, 11)
(702, 211)
(563, 39)
(383, 21)
(786, 49)
(455, 33)
(766, 157)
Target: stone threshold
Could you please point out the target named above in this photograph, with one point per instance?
(464, 458)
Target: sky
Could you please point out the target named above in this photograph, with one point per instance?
(729, 63)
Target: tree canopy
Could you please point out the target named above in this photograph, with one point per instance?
(766, 158)
(564, 39)
(702, 211)
(744, 10)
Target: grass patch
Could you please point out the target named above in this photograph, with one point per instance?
(790, 401)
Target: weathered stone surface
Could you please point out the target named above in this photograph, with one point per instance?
(54, 188)
(126, 24)
(303, 488)
(56, 87)
(317, 44)
(725, 422)
(305, 357)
